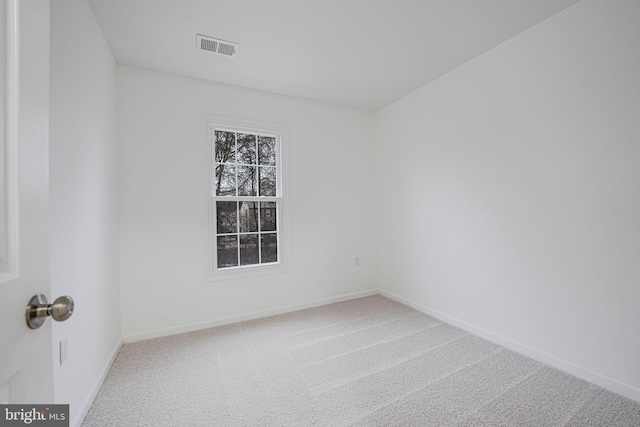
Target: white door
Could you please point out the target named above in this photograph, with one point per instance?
(26, 355)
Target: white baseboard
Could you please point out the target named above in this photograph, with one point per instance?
(624, 389)
(243, 317)
(88, 401)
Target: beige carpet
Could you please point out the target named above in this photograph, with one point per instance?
(365, 362)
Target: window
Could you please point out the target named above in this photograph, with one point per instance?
(246, 193)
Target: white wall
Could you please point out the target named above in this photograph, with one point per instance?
(511, 191)
(83, 200)
(163, 207)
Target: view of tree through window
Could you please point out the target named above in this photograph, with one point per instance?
(245, 194)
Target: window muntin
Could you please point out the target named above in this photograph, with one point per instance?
(247, 198)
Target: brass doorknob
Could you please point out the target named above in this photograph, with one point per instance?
(39, 308)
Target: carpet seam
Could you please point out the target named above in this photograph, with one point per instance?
(405, 395)
(384, 367)
(298, 346)
(335, 356)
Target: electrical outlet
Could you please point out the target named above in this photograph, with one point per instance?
(64, 351)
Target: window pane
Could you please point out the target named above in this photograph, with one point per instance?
(247, 149)
(268, 216)
(225, 184)
(267, 181)
(226, 217)
(227, 251)
(248, 216)
(247, 181)
(269, 247)
(249, 249)
(266, 150)
(225, 147)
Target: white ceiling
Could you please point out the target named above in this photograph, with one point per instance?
(356, 53)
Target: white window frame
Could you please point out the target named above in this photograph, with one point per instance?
(209, 125)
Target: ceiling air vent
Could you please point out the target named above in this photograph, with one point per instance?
(214, 45)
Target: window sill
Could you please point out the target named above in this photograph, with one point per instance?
(246, 272)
